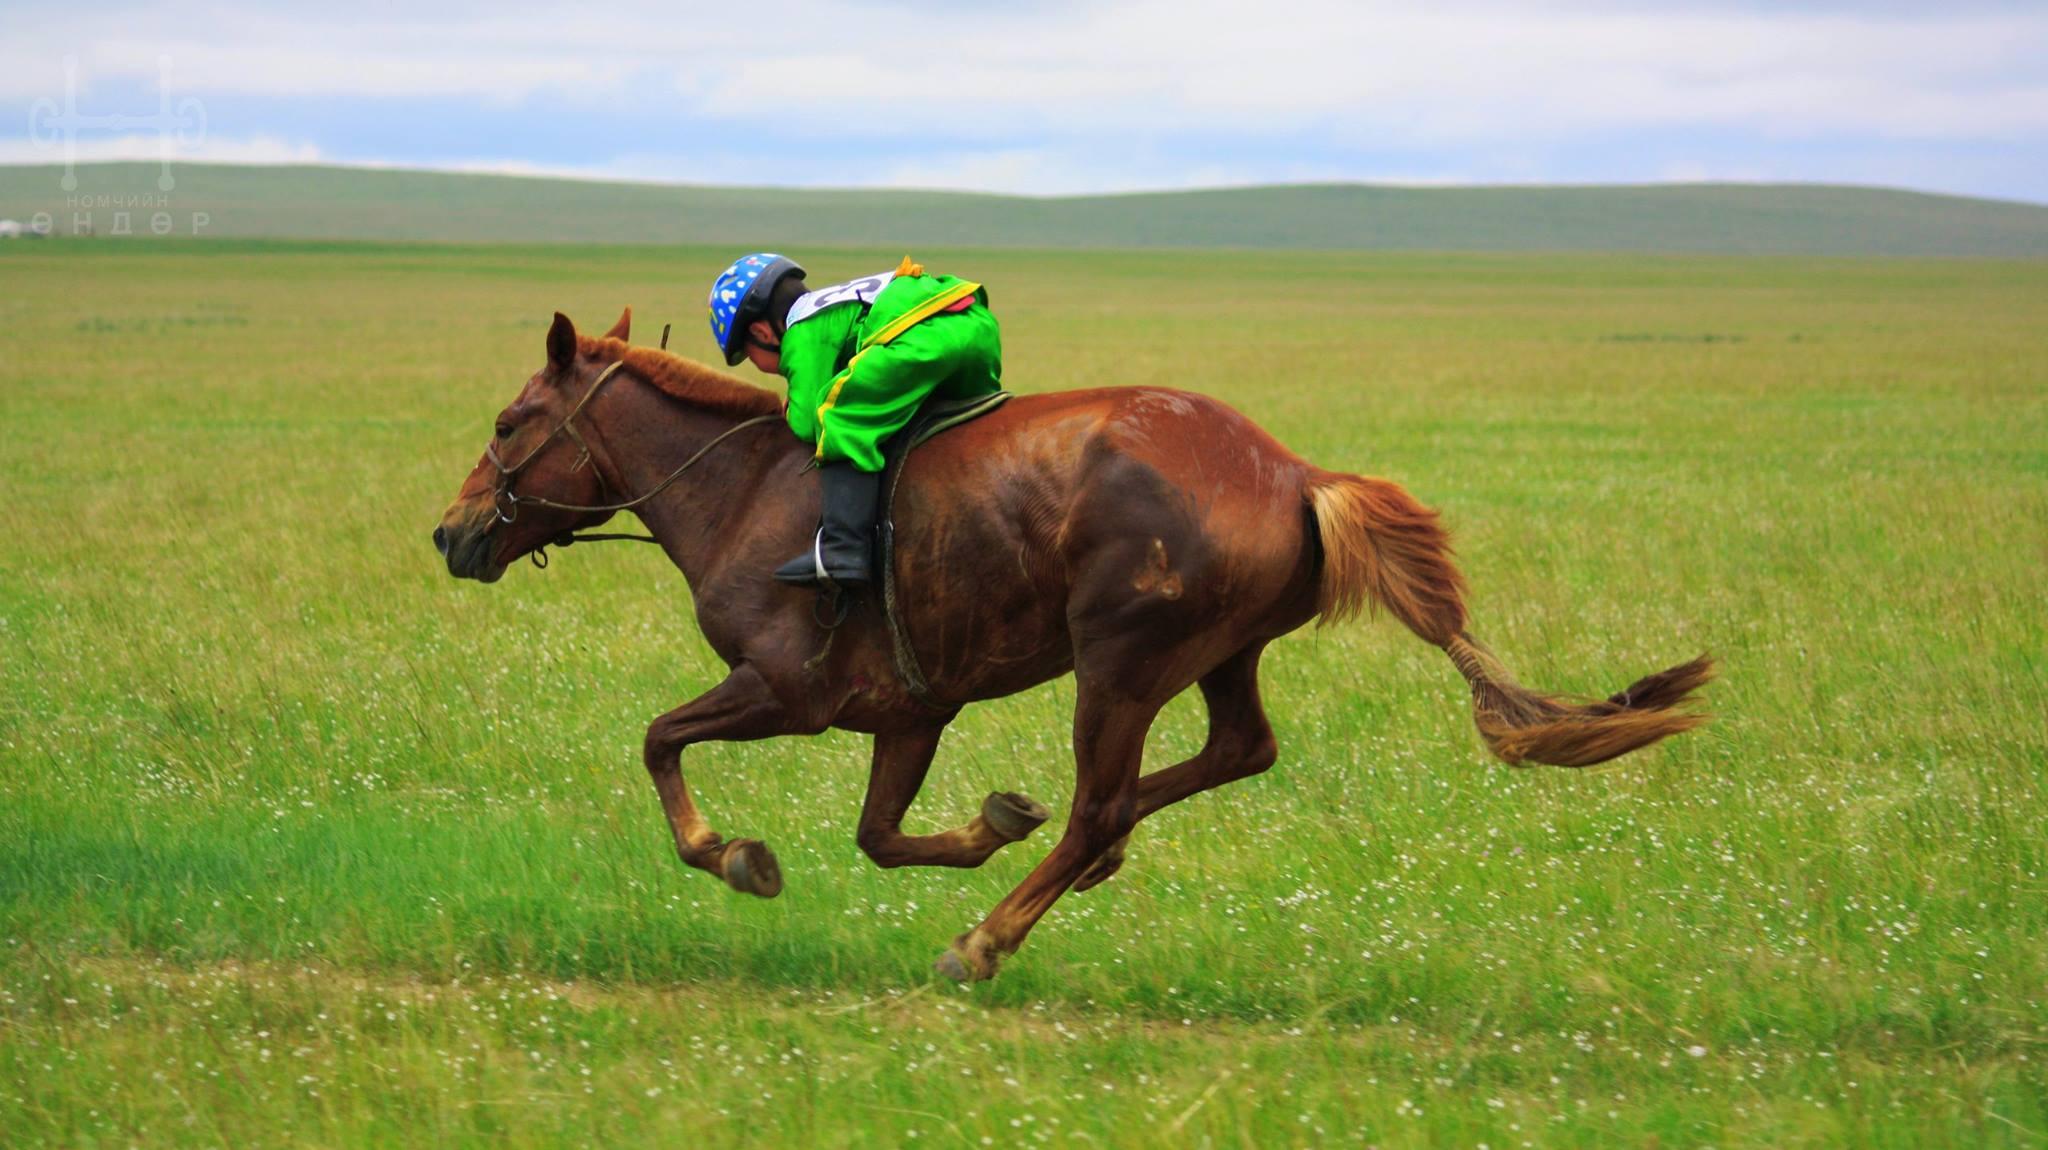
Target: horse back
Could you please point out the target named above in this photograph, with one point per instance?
(1118, 515)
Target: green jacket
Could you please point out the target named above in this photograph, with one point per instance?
(819, 349)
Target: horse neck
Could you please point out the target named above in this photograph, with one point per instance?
(646, 434)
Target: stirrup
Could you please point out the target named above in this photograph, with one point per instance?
(818, 561)
(817, 576)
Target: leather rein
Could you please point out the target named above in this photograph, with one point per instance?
(507, 503)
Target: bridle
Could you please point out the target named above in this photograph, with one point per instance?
(507, 503)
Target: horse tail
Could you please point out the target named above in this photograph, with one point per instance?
(1382, 548)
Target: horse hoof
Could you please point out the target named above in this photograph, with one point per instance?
(963, 963)
(1012, 816)
(750, 868)
(949, 964)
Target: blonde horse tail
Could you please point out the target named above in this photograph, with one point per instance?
(1383, 549)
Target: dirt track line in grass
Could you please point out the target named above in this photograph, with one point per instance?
(1182, 1119)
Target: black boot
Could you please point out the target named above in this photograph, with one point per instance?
(843, 551)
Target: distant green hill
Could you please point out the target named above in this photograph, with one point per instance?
(354, 203)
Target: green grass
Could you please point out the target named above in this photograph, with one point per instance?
(303, 842)
(312, 202)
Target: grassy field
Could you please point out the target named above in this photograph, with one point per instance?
(326, 203)
(303, 842)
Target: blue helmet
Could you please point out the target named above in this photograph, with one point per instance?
(739, 296)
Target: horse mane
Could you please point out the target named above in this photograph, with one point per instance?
(686, 380)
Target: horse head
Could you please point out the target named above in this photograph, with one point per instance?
(537, 456)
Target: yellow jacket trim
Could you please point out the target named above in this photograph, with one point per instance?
(832, 397)
(920, 313)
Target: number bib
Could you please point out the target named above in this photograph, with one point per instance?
(864, 289)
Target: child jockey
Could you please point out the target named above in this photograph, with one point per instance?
(860, 358)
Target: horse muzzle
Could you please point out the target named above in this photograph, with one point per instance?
(468, 548)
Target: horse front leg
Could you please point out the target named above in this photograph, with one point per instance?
(738, 709)
(901, 760)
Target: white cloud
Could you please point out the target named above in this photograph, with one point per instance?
(1070, 95)
(1046, 172)
(211, 150)
(1461, 69)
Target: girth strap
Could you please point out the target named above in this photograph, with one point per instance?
(935, 418)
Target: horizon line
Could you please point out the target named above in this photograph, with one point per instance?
(584, 176)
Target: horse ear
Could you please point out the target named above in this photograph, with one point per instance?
(622, 330)
(562, 341)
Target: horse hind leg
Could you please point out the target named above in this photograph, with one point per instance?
(1240, 745)
(1109, 742)
(901, 760)
(1103, 869)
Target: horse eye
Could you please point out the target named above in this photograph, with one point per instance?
(504, 431)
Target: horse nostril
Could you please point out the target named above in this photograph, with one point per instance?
(441, 541)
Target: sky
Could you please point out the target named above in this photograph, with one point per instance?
(1054, 97)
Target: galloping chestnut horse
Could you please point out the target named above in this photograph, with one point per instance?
(1146, 539)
